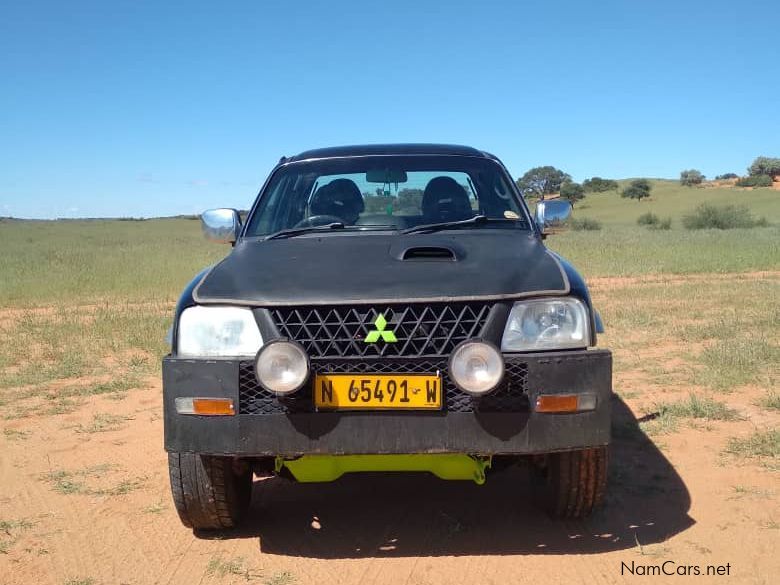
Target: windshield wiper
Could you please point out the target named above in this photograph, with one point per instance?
(291, 232)
(337, 225)
(476, 220)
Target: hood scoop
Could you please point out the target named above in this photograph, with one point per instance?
(429, 253)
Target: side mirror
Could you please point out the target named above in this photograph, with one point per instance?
(552, 213)
(221, 225)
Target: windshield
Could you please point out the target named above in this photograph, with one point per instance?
(386, 192)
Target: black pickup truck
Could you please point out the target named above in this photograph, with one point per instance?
(385, 308)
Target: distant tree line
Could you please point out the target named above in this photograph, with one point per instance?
(760, 174)
(599, 185)
(539, 182)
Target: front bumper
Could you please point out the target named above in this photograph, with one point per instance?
(295, 429)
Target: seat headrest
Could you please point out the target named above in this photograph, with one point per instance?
(341, 198)
(445, 200)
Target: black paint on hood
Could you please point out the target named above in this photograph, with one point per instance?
(355, 268)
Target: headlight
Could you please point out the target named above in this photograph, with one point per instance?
(476, 367)
(218, 331)
(282, 367)
(541, 324)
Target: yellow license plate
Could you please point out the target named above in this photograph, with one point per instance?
(377, 392)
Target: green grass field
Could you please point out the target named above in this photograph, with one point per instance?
(89, 261)
(622, 248)
(45, 262)
(670, 199)
(626, 251)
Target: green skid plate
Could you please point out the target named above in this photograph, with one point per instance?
(314, 468)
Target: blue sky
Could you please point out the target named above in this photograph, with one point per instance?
(159, 108)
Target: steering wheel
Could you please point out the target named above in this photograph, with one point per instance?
(316, 220)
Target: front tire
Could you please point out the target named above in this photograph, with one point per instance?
(571, 484)
(209, 492)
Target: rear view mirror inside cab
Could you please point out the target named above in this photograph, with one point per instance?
(386, 176)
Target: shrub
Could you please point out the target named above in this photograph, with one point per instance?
(707, 216)
(648, 219)
(691, 177)
(755, 181)
(727, 176)
(599, 185)
(637, 189)
(584, 224)
(654, 222)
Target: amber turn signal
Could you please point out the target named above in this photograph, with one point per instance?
(205, 406)
(565, 402)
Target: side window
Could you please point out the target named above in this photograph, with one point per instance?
(469, 188)
(283, 207)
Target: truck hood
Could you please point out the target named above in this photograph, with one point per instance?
(360, 268)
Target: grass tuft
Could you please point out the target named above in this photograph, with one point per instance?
(10, 532)
(771, 400)
(702, 407)
(662, 423)
(63, 482)
(667, 416)
(115, 386)
(587, 224)
(235, 566)
(762, 444)
(741, 491)
(284, 578)
(14, 435)
(73, 482)
(736, 362)
(155, 508)
(102, 423)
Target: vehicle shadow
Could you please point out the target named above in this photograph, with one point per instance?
(398, 515)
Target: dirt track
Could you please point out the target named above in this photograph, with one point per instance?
(83, 505)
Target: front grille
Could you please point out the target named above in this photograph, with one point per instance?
(419, 329)
(510, 396)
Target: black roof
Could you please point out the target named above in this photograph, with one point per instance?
(379, 149)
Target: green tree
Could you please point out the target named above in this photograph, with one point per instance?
(599, 185)
(637, 189)
(765, 165)
(573, 192)
(541, 181)
(691, 177)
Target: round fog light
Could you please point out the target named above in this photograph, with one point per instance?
(476, 367)
(281, 366)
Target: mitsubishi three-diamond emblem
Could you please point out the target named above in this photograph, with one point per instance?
(387, 336)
